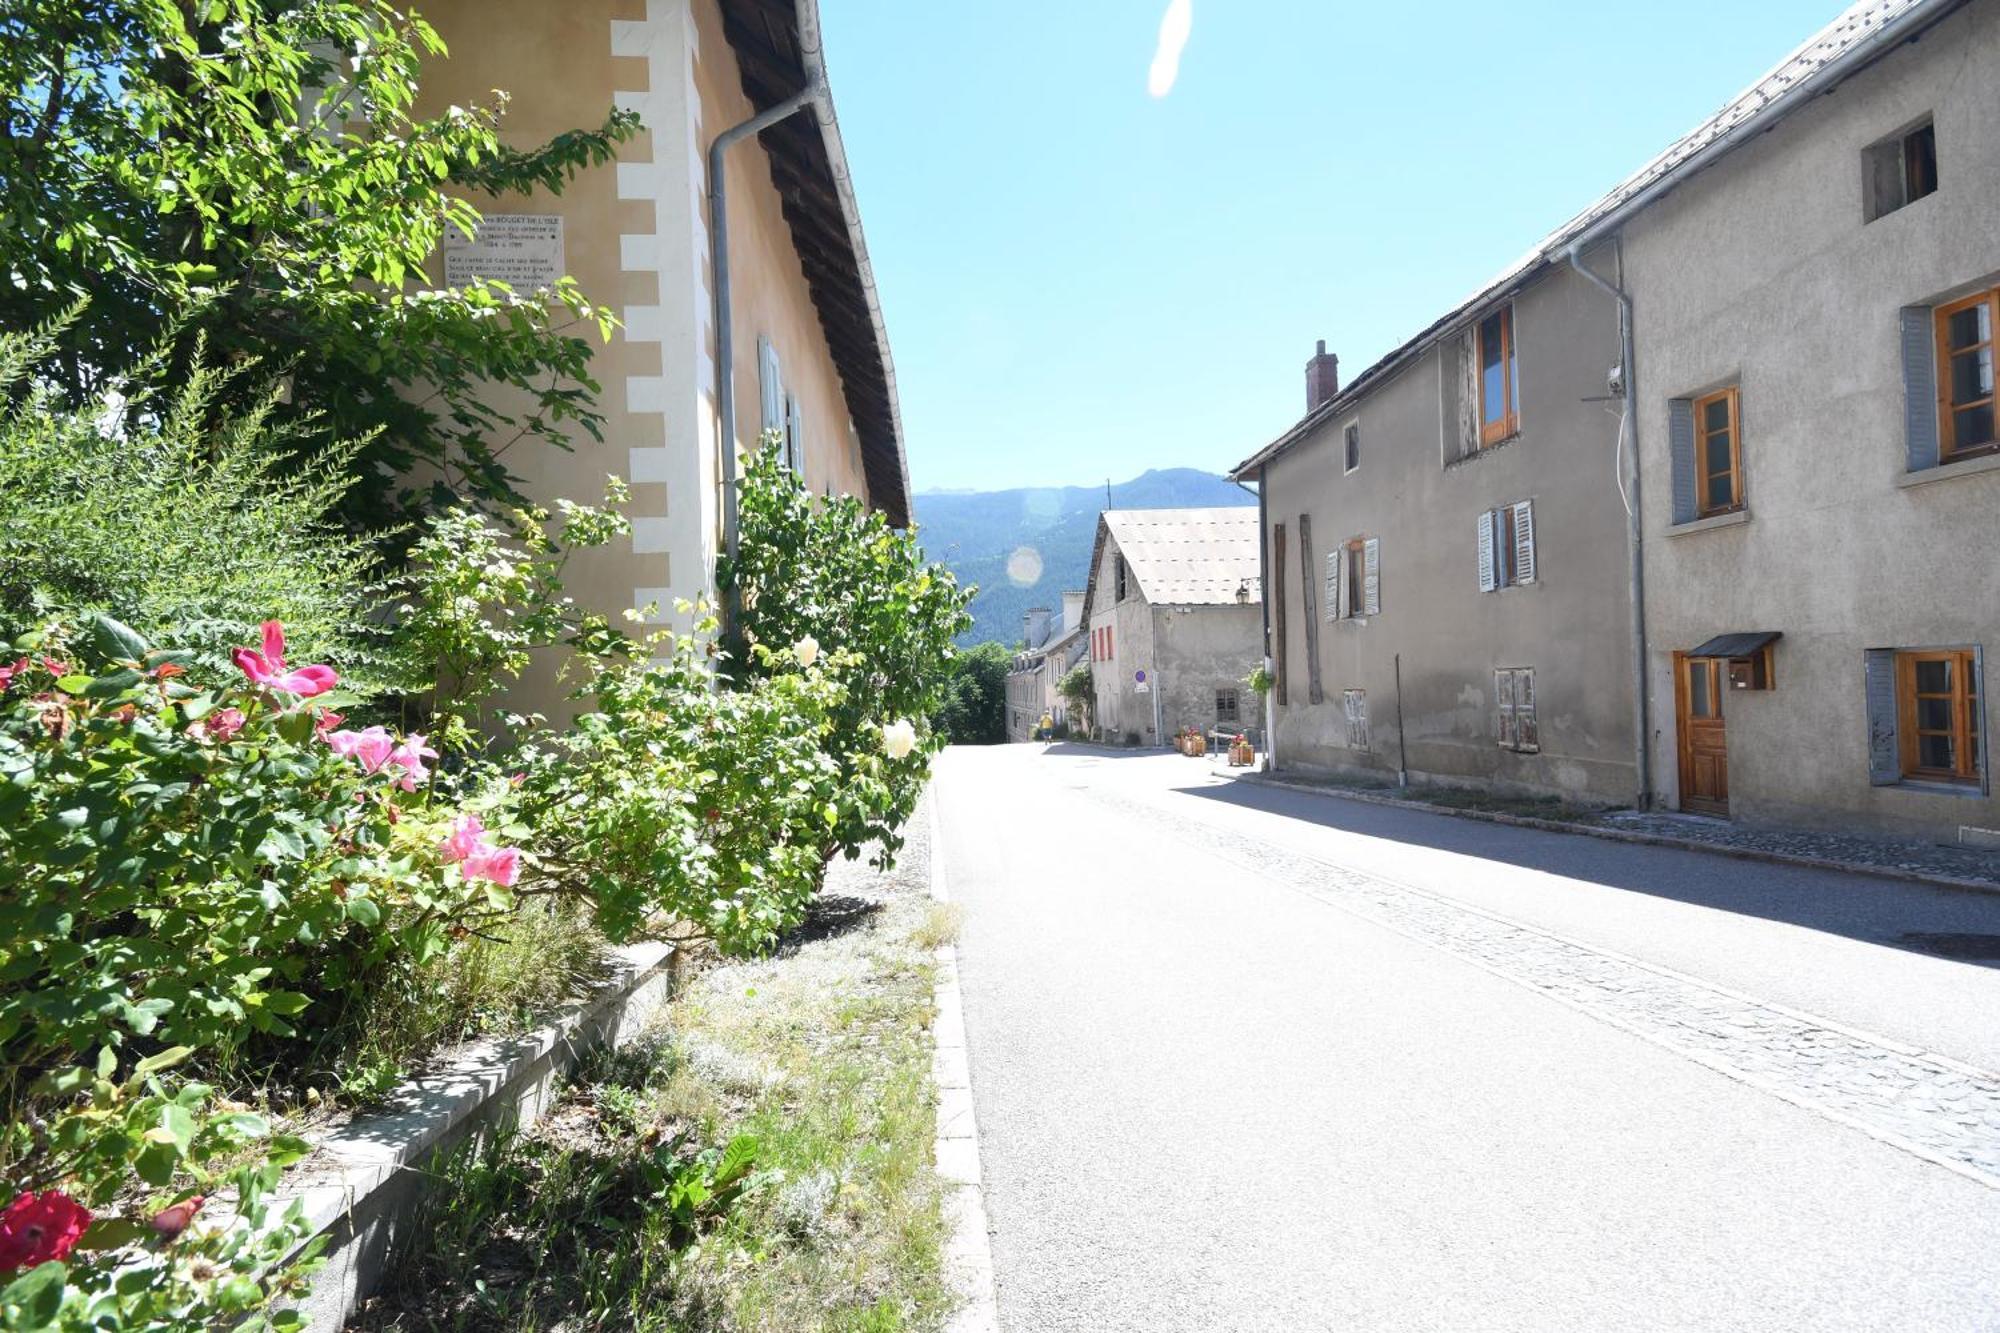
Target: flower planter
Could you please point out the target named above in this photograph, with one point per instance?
(363, 1186)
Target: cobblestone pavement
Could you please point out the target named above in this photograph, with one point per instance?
(1926, 1104)
(1879, 853)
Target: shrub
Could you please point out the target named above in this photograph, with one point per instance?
(177, 524)
(1080, 693)
(975, 709)
(186, 866)
(832, 573)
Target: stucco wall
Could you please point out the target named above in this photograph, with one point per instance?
(1202, 649)
(636, 240)
(1570, 625)
(1761, 271)
(1122, 711)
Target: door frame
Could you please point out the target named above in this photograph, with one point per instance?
(1718, 683)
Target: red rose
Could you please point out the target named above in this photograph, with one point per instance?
(39, 1227)
(170, 1222)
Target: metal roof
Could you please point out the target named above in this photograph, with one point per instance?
(1183, 557)
(1745, 644)
(1862, 32)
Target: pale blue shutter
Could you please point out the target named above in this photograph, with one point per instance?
(1488, 550)
(1524, 542)
(1371, 577)
(1920, 395)
(1885, 760)
(1680, 449)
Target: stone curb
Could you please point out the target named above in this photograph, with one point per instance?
(1633, 836)
(968, 1252)
(361, 1187)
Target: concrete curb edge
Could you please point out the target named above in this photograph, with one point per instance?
(1633, 836)
(968, 1249)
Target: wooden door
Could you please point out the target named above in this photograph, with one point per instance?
(1699, 683)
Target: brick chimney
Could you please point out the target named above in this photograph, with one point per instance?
(1322, 377)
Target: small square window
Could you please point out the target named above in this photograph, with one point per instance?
(1900, 170)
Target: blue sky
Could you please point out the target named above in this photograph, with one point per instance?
(1083, 281)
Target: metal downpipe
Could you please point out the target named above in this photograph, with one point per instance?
(725, 331)
(1628, 438)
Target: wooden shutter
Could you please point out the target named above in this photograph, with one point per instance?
(771, 385)
(1885, 759)
(1468, 395)
(795, 436)
(1489, 574)
(1524, 542)
(1371, 577)
(1920, 388)
(1527, 734)
(1336, 583)
(1309, 592)
(1680, 451)
(1503, 699)
(1278, 604)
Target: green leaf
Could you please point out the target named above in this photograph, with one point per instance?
(364, 911)
(166, 1059)
(110, 1233)
(286, 1002)
(31, 1301)
(117, 642)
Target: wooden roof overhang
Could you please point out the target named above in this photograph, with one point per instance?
(809, 171)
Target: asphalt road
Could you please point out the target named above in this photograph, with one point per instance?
(1252, 1059)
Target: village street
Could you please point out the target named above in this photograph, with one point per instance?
(1248, 1058)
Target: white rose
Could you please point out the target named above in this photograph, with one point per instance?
(807, 651)
(899, 738)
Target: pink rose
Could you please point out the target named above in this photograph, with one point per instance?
(501, 865)
(410, 756)
(371, 745)
(39, 1227)
(13, 669)
(267, 668)
(468, 835)
(226, 723)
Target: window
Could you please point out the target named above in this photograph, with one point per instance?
(1499, 379)
(1899, 170)
(1718, 471)
(795, 436)
(771, 387)
(1937, 696)
(1354, 703)
(1118, 566)
(1354, 579)
(1514, 692)
(1965, 382)
(1225, 708)
(1507, 546)
(1353, 446)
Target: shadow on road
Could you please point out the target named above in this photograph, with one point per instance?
(1960, 925)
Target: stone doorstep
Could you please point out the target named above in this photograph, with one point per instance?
(1634, 836)
(354, 1187)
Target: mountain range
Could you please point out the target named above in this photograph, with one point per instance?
(1023, 547)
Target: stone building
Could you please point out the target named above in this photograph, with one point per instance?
(1173, 614)
(1051, 645)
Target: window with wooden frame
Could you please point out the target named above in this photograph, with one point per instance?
(1965, 379)
(1351, 445)
(1937, 699)
(1514, 694)
(1354, 579)
(1507, 546)
(1499, 378)
(1226, 709)
(1718, 457)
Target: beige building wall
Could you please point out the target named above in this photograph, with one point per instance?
(1761, 272)
(636, 240)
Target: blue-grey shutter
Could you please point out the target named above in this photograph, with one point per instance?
(1680, 448)
(1371, 577)
(1489, 578)
(1885, 760)
(1524, 541)
(1920, 395)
